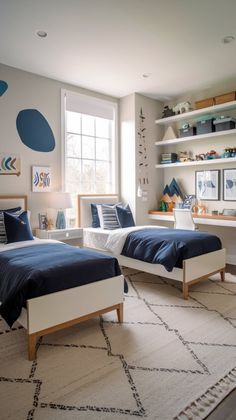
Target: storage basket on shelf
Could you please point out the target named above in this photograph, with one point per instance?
(224, 123)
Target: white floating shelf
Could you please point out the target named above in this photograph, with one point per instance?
(197, 113)
(197, 137)
(197, 163)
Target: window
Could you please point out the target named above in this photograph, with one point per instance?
(90, 164)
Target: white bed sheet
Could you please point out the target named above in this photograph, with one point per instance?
(23, 244)
(95, 238)
(110, 240)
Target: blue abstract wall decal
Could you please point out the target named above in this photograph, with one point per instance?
(3, 87)
(34, 130)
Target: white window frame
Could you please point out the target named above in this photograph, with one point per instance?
(115, 149)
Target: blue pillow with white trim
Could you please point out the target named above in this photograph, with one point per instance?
(124, 215)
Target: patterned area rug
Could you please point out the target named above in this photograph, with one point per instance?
(170, 359)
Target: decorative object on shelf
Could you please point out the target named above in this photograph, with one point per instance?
(41, 178)
(34, 130)
(9, 164)
(201, 208)
(205, 126)
(168, 158)
(212, 155)
(229, 184)
(229, 212)
(143, 180)
(50, 224)
(214, 212)
(172, 194)
(184, 157)
(167, 112)
(3, 87)
(187, 130)
(205, 103)
(43, 221)
(60, 201)
(189, 201)
(207, 184)
(226, 97)
(169, 134)
(229, 152)
(223, 123)
(201, 156)
(182, 107)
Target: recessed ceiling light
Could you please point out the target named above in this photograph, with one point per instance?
(227, 39)
(146, 75)
(42, 34)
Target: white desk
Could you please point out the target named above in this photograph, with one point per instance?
(199, 219)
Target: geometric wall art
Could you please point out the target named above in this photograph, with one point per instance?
(9, 164)
(34, 130)
(41, 178)
(3, 87)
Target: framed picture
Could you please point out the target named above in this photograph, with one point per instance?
(43, 221)
(207, 185)
(229, 184)
(41, 178)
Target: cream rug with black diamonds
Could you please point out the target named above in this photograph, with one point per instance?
(170, 359)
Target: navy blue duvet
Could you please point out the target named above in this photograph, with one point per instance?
(168, 247)
(34, 271)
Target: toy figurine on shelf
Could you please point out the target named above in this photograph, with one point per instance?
(212, 155)
(167, 112)
(184, 157)
(201, 156)
(182, 107)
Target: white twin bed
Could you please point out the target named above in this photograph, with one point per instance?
(55, 311)
(194, 269)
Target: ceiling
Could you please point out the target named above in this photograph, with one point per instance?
(107, 45)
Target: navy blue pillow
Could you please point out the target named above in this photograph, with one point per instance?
(17, 227)
(95, 218)
(125, 216)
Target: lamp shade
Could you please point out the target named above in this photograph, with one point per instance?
(60, 200)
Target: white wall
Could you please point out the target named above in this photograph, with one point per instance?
(129, 124)
(27, 90)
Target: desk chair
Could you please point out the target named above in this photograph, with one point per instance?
(184, 219)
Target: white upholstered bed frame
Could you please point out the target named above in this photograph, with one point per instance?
(194, 269)
(55, 311)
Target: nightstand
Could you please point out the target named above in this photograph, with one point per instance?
(74, 236)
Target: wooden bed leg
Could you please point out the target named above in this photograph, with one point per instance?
(185, 291)
(120, 312)
(222, 275)
(32, 346)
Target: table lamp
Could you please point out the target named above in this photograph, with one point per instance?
(61, 201)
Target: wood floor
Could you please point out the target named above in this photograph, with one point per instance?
(227, 408)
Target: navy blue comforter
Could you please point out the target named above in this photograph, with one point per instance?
(34, 271)
(168, 247)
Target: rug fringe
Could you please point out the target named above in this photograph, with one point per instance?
(203, 405)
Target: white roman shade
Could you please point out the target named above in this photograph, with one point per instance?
(89, 105)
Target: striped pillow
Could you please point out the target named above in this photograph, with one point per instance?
(3, 236)
(108, 217)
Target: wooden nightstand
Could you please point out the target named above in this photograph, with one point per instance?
(73, 236)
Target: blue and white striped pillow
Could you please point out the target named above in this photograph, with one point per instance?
(108, 216)
(3, 237)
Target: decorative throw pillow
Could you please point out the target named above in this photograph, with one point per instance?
(124, 215)
(3, 238)
(17, 227)
(95, 218)
(108, 217)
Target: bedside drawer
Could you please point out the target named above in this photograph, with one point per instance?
(66, 234)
